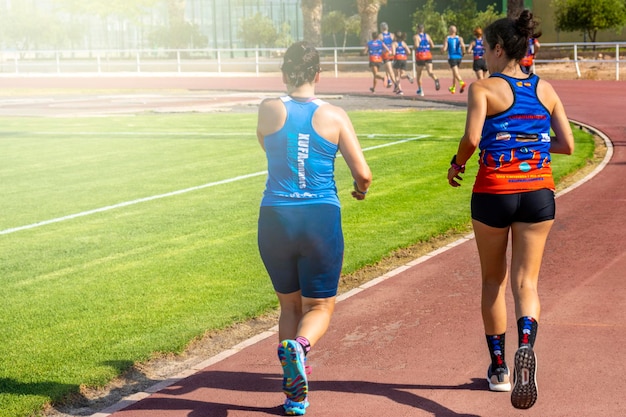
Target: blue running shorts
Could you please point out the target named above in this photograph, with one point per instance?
(302, 248)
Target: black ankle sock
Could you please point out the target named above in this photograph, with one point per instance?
(527, 331)
(496, 350)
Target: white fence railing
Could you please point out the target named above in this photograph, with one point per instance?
(258, 61)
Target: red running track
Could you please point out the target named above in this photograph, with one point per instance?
(412, 345)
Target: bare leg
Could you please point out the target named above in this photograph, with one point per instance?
(492, 244)
(302, 316)
(528, 244)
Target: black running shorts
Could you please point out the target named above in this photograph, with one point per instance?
(501, 210)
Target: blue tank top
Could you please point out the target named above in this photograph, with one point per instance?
(454, 48)
(300, 162)
(424, 45)
(479, 49)
(387, 39)
(515, 144)
(375, 47)
(401, 51)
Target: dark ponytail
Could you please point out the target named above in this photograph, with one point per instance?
(513, 34)
(301, 64)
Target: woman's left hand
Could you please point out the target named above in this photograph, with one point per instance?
(453, 176)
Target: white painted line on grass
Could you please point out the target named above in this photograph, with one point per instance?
(170, 194)
(129, 203)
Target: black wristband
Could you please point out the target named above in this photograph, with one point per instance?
(456, 166)
(356, 188)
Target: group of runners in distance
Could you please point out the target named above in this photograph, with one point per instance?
(391, 52)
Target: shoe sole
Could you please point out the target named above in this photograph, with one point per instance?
(295, 385)
(524, 394)
(437, 85)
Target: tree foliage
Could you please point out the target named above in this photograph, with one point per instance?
(463, 14)
(589, 16)
(258, 31)
(334, 23)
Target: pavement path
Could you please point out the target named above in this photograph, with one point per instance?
(411, 343)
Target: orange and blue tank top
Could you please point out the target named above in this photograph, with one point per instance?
(375, 50)
(515, 144)
(401, 52)
(423, 45)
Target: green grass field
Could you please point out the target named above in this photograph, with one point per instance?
(122, 237)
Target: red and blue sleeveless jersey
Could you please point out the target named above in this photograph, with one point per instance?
(375, 50)
(479, 49)
(424, 45)
(515, 144)
(401, 52)
(300, 162)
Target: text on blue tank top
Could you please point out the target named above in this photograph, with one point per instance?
(454, 48)
(423, 45)
(300, 162)
(521, 131)
(400, 49)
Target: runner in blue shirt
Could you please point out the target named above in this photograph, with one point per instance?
(299, 228)
(455, 48)
(477, 49)
(374, 50)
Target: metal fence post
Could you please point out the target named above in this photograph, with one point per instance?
(576, 59)
(336, 64)
(617, 62)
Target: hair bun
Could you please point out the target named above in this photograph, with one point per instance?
(526, 24)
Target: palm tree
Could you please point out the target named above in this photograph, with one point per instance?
(312, 17)
(514, 8)
(368, 10)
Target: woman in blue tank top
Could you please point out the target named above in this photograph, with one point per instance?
(299, 230)
(477, 49)
(510, 116)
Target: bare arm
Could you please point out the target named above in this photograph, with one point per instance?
(471, 47)
(430, 41)
(476, 113)
(334, 124)
(271, 117)
(563, 139)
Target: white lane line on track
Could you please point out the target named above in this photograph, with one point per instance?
(173, 193)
